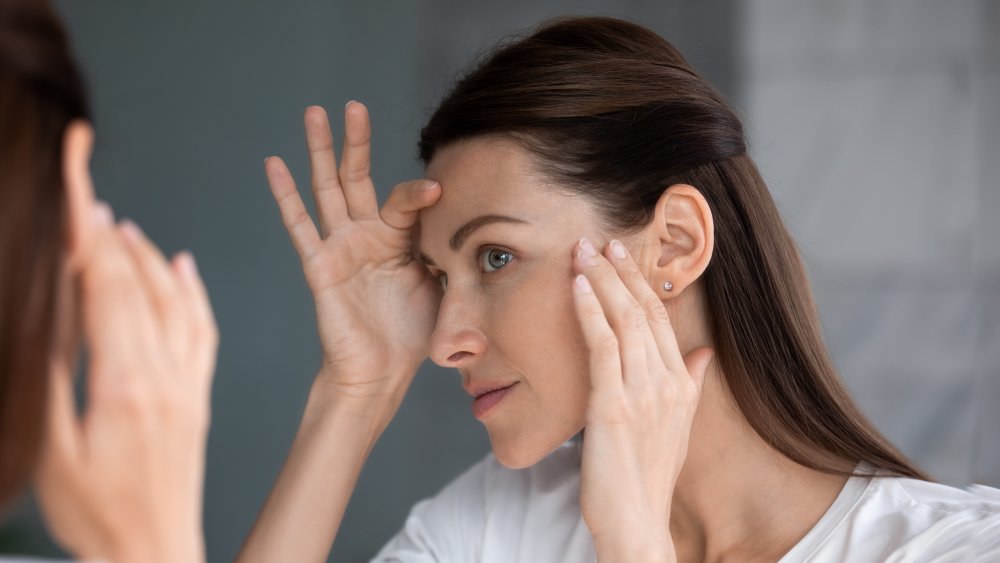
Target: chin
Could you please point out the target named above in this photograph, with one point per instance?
(521, 452)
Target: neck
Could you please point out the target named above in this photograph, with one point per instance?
(737, 497)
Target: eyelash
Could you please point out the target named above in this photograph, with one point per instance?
(480, 255)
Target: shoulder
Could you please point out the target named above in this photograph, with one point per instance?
(933, 520)
(916, 504)
(894, 518)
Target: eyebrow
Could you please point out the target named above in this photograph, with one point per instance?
(466, 230)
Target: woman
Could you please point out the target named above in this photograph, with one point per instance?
(123, 481)
(596, 252)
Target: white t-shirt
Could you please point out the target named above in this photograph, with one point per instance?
(491, 514)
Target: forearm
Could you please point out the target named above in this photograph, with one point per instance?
(304, 510)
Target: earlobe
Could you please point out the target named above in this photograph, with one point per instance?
(683, 230)
(78, 142)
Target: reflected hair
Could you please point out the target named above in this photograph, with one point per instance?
(41, 92)
(612, 112)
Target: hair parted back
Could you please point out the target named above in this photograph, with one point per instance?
(612, 112)
(41, 92)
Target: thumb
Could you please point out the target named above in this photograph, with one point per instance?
(78, 143)
(406, 200)
(697, 362)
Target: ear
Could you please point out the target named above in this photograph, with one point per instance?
(683, 230)
(78, 143)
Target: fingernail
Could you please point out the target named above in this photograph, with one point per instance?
(586, 253)
(618, 249)
(187, 265)
(583, 284)
(131, 231)
(348, 104)
(428, 185)
(102, 214)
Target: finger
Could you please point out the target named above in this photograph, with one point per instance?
(161, 286)
(659, 321)
(624, 314)
(355, 166)
(605, 359)
(118, 321)
(205, 332)
(294, 215)
(327, 192)
(406, 200)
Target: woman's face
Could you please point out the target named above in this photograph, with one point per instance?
(507, 315)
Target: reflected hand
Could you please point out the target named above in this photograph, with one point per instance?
(643, 399)
(124, 482)
(375, 304)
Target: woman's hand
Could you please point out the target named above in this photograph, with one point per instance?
(375, 304)
(124, 481)
(643, 399)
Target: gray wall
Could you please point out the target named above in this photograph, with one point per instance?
(190, 96)
(877, 126)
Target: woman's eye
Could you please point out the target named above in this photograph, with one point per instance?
(493, 259)
(443, 278)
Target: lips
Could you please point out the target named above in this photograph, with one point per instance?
(479, 389)
(487, 397)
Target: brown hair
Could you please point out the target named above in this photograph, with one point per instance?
(613, 112)
(41, 92)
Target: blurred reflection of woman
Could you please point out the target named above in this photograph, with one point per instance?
(122, 481)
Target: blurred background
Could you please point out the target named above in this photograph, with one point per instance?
(875, 122)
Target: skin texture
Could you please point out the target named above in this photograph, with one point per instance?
(122, 481)
(603, 355)
(577, 320)
(515, 323)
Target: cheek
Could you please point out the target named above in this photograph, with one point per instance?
(545, 344)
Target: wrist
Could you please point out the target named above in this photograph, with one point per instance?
(369, 410)
(170, 550)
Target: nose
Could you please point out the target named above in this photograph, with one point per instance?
(457, 340)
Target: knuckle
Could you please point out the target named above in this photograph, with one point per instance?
(646, 405)
(606, 346)
(169, 305)
(667, 392)
(299, 217)
(657, 312)
(131, 397)
(634, 318)
(325, 182)
(357, 175)
(355, 172)
(689, 391)
(107, 269)
(594, 314)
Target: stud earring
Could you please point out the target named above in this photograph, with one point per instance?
(667, 286)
